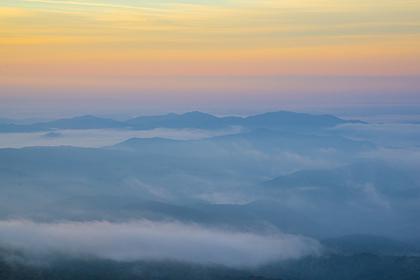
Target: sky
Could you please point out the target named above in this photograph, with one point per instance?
(60, 57)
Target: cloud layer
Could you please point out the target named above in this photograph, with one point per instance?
(94, 138)
(148, 240)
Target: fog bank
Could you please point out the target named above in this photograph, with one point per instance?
(147, 240)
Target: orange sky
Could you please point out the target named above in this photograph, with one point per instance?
(51, 45)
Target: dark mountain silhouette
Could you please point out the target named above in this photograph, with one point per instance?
(188, 120)
(281, 120)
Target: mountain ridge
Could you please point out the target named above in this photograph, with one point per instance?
(188, 120)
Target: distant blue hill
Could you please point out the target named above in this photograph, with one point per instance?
(196, 120)
(359, 244)
(6, 121)
(280, 119)
(193, 120)
(291, 119)
(82, 122)
(9, 127)
(262, 139)
(348, 180)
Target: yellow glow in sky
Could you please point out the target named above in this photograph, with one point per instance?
(60, 42)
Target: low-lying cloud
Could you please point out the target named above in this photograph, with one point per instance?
(155, 241)
(384, 134)
(94, 138)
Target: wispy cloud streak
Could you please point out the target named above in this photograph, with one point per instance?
(98, 4)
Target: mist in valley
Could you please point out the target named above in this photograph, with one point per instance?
(219, 197)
